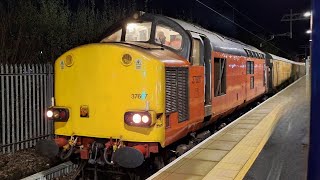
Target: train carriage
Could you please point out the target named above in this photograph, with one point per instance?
(283, 71)
(151, 81)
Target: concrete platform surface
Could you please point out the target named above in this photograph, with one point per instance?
(230, 153)
(285, 156)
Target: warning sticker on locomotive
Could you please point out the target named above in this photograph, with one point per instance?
(62, 65)
(138, 64)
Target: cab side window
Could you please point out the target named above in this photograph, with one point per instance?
(220, 78)
(196, 52)
(166, 36)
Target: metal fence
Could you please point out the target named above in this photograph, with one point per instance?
(25, 93)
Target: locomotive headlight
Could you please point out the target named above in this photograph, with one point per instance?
(49, 114)
(58, 114)
(145, 119)
(136, 118)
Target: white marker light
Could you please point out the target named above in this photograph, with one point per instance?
(307, 14)
(136, 118)
(309, 31)
(49, 114)
(145, 119)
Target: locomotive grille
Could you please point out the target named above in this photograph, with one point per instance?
(177, 92)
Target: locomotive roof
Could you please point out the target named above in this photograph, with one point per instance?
(219, 42)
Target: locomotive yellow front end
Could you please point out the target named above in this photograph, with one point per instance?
(109, 96)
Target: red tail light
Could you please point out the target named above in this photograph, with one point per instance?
(141, 119)
(58, 114)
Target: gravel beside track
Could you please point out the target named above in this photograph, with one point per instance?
(23, 163)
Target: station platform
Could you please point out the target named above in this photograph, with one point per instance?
(230, 153)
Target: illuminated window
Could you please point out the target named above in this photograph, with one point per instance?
(115, 37)
(138, 31)
(168, 37)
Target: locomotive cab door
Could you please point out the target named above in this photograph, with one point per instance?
(201, 56)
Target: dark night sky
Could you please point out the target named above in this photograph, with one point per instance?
(269, 14)
(265, 13)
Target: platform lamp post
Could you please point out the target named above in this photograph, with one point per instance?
(308, 14)
(295, 17)
(298, 17)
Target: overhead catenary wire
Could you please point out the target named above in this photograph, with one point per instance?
(223, 16)
(226, 2)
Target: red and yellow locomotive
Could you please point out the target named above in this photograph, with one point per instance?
(150, 82)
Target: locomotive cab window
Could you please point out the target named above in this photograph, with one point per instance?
(220, 87)
(196, 55)
(138, 31)
(166, 36)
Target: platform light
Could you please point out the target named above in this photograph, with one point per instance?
(310, 40)
(307, 14)
(309, 31)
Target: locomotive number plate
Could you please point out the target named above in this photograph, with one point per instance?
(139, 96)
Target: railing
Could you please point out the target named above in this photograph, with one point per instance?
(55, 172)
(25, 93)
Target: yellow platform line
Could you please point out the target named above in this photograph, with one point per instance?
(230, 153)
(238, 161)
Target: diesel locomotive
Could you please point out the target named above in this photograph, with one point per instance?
(149, 82)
